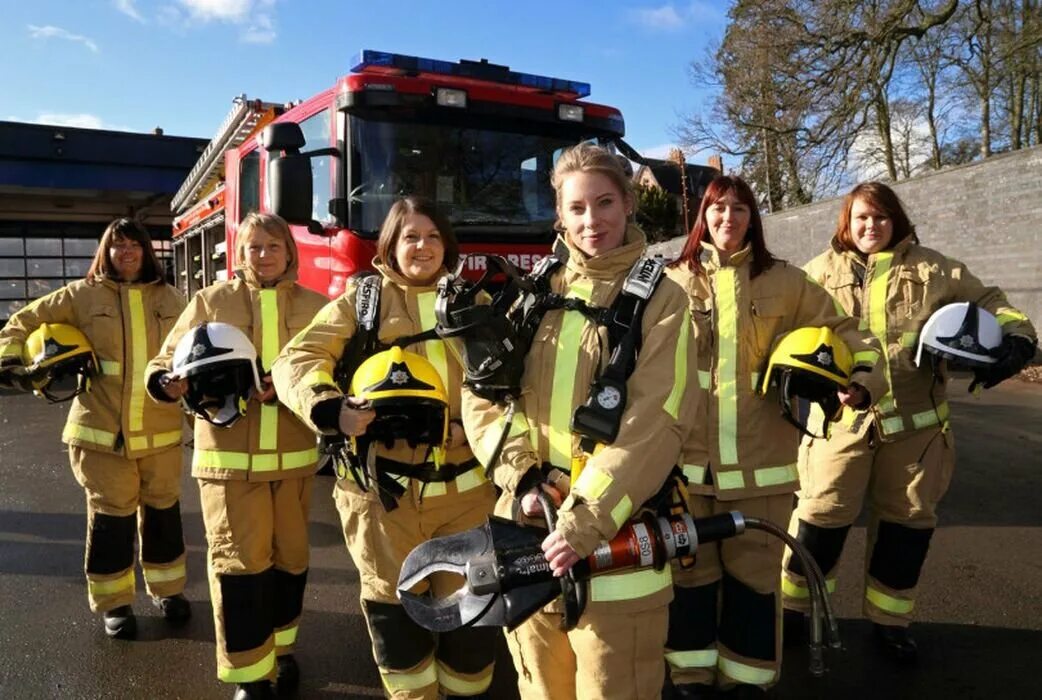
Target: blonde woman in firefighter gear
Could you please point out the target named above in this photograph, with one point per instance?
(416, 494)
(125, 450)
(255, 476)
(900, 455)
(615, 650)
(725, 620)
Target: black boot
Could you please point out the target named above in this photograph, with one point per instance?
(694, 691)
(120, 622)
(287, 678)
(897, 642)
(175, 608)
(255, 690)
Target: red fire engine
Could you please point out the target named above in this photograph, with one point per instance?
(477, 138)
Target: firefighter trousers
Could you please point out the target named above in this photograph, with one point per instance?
(608, 656)
(257, 542)
(904, 480)
(118, 490)
(725, 618)
(413, 662)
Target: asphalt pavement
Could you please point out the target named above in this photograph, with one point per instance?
(979, 616)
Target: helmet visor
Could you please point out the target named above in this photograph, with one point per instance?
(809, 402)
(217, 393)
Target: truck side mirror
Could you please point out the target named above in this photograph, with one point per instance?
(289, 174)
(283, 136)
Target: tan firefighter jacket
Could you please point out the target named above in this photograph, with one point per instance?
(567, 353)
(125, 324)
(894, 292)
(268, 443)
(303, 372)
(741, 445)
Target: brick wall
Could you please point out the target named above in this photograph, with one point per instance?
(987, 215)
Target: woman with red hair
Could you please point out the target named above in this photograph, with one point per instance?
(725, 619)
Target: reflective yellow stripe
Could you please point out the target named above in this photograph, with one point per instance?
(137, 443)
(483, 449)
(1009, 316)
(11, 350)
(892, 425)
(888, 603)
(222, 459)
(755, 382)
(139, 358)
(435, 349)
(672, 404)
(635, 584)
(317, 378)
(455, 685)
(283, 638)
(622, 511)
(396, 682)
(144, 442)
(773, 476)
(592, 483)
(877, 291)
(695, 474)
(909, 339)
(566, 364)
(471, 480)
(253, 672)
(110, 367)
(704, 378)
(744, 673)
(435, 488)
(269, 418)
(163, 575)
(866, 358)
(75, 431)
(925, 419)
(886, 404)
(797, 590)
(727, 365)
(702, 658)
(730, 480)
(123, 583)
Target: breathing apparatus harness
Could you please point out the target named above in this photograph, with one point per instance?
(492, 340)
(362, 464)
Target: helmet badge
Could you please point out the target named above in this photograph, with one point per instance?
(399, 377)
(824, 358)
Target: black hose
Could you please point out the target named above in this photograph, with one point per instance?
(820, 604)
(508, 421)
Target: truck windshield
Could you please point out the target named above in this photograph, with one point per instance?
(491, 184)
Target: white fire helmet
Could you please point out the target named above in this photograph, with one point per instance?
(961, 333)
(220, 364)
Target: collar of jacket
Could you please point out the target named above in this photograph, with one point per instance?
(711, 256)
(856, 258)
(610, 265)
(115, 285)
(399, 280)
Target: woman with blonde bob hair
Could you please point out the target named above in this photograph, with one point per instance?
(255, 476)
(615, 651)
(125, 451)
(420, 490)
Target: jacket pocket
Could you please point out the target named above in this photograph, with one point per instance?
(106, 325)
(912, 290)
(768, 314)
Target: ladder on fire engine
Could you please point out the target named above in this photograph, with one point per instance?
(241, 122)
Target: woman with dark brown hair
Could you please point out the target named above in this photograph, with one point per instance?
(725, 620)
(125, 451)
(901, 454)
(414, 490)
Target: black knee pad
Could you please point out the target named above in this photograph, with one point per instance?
(692, 617)
(825, 545)
(398, 642)
(747, 620)
(162, 540)
(111, 543)
(247, 601)
(898, 555)
(468, 650)
(289, 595)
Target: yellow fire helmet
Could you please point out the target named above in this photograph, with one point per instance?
(59, 361)
(408, 396)
(808, 365)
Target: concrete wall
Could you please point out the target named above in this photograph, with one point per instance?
(987, 215)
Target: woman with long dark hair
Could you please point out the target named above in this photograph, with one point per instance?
(725, 619)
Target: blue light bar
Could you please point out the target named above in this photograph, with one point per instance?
(479, 70)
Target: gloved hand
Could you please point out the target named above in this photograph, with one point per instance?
(13, 378)
(1012, 356)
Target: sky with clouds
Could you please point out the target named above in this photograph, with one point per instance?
(137, 64)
